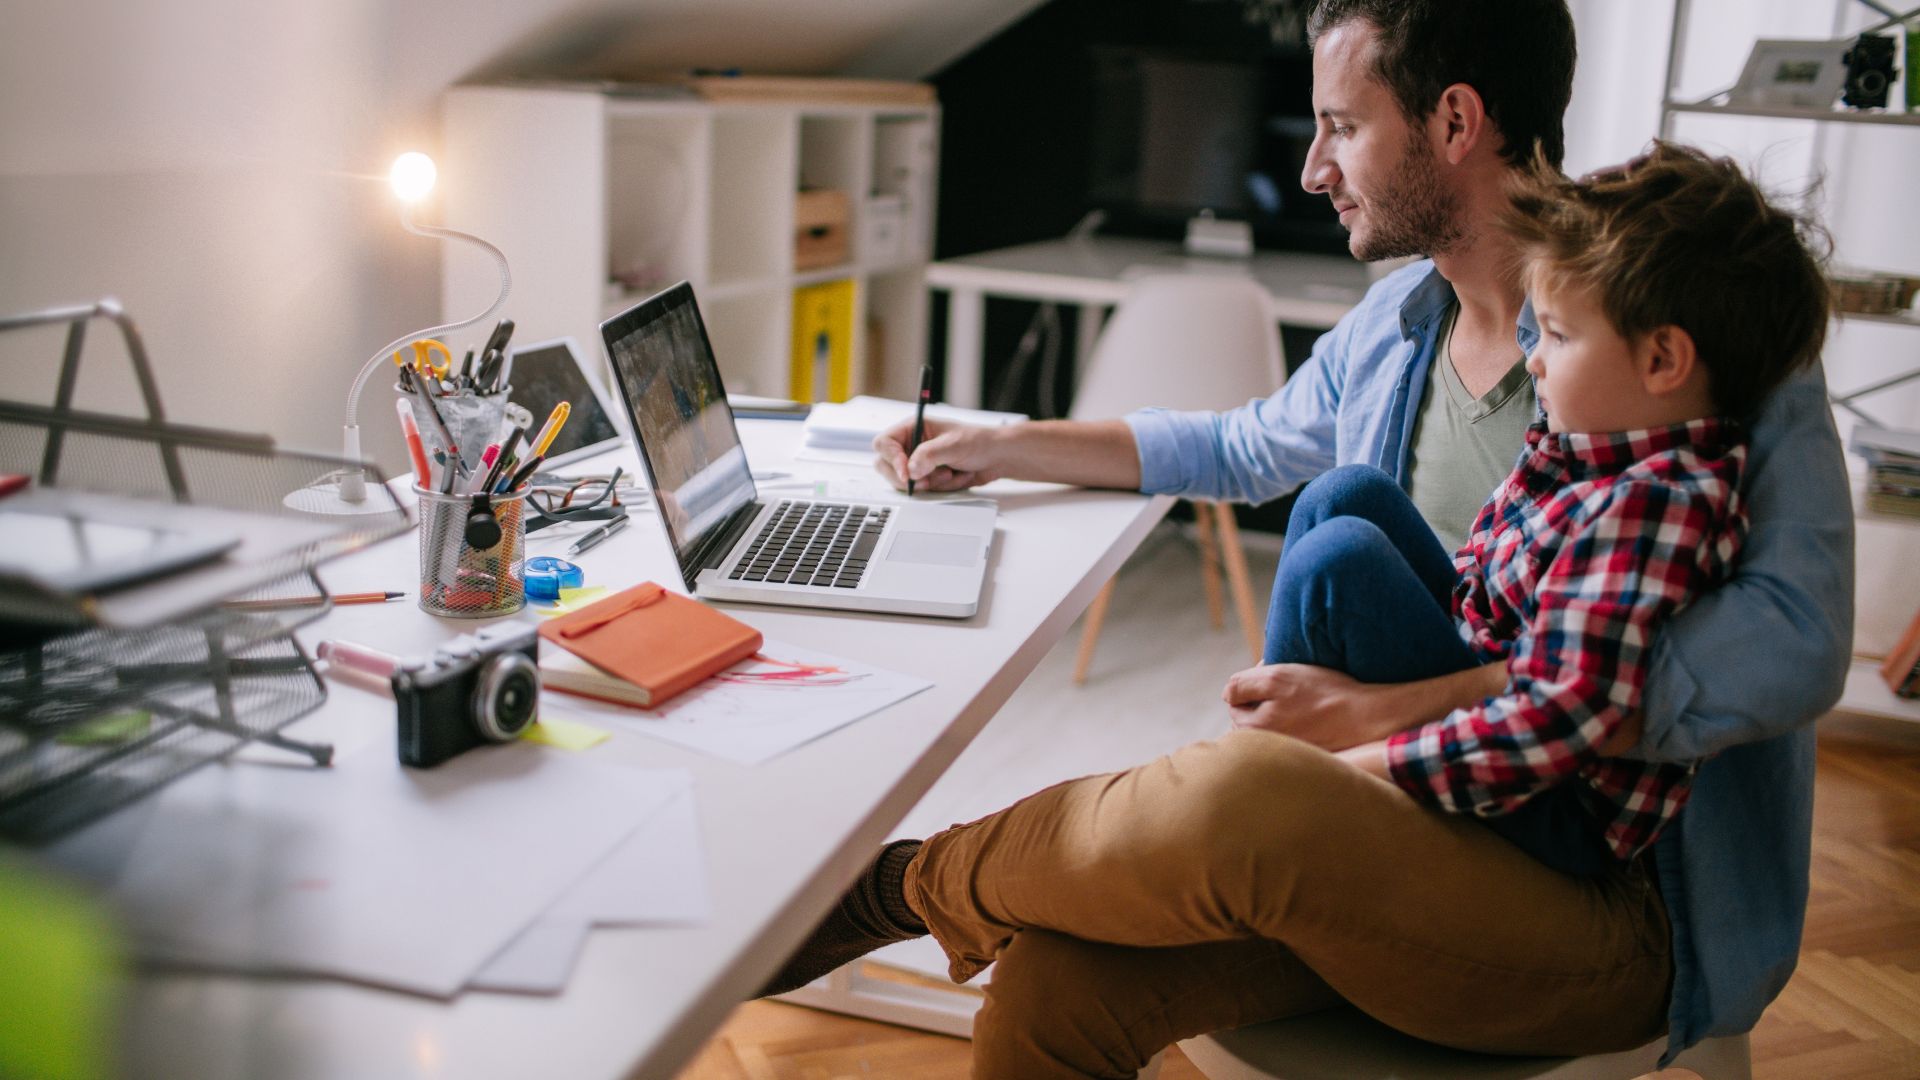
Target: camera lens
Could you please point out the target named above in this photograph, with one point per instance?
(505, 696)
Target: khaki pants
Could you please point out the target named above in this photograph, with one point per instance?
(1257, 877)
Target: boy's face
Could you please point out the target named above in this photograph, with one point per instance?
(1376, 166)
(1587, 375)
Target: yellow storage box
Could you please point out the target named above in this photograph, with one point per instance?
(823, 342)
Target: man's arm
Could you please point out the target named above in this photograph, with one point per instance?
(1089, 453)
(1768, 651)
(1254, 453)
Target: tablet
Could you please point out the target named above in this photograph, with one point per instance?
(70, 553)
(550, 372)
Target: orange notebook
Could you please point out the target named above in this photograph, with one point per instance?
(661, 642)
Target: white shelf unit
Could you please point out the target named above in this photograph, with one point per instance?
(599, 201)
(1886, 545)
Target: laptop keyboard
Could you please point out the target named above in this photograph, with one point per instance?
(819, 544)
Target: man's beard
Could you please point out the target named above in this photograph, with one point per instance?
(1415, 215)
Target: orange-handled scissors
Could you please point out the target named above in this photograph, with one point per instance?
(423, 362)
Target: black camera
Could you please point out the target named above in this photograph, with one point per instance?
(1869, 72)
(476, 689)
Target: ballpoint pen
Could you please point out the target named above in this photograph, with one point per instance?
(446, 438)
(919, 419)
(588, 541)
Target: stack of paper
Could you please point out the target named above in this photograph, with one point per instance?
(1893, 468)
(835, 430)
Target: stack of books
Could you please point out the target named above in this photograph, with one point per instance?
(641, 646)
(1893, 468)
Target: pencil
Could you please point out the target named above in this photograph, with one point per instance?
(311, 601)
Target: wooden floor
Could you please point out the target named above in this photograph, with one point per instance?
(1852, 1010)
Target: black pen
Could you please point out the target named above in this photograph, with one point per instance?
(919, 419)
(597, 535)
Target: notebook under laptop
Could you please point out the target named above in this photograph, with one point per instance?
(908, 558)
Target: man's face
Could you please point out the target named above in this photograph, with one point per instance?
(1378, 168)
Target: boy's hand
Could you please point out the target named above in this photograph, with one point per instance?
(950, 458)
(1318, 705)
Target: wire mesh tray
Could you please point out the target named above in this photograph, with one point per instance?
(91, 721)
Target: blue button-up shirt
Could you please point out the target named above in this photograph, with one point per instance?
(1738, 677)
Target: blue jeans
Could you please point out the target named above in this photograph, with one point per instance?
(1365, 587)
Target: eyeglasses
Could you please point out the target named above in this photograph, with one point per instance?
(593, 499)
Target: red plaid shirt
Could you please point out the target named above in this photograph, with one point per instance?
(1571, 567)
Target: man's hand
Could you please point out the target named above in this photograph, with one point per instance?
(950, 458)
(1327, 708)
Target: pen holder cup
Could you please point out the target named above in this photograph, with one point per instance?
(462, 575)
(474, 420)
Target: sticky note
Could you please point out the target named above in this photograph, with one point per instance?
(573, 599)
(108, 729)
(565, 734)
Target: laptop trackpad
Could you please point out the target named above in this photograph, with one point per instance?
(936, 549)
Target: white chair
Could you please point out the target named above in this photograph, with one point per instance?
(1345, 1044)
(1186, 341)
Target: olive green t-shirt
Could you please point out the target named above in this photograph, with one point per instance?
(1464, 447)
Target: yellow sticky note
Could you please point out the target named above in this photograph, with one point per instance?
(574, 599)
(565, 734)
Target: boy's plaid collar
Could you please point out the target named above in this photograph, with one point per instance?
(1613, 451)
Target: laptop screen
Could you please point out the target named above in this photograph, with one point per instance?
(681, 421)
(546, 374)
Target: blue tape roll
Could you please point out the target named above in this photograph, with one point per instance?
(546, 576)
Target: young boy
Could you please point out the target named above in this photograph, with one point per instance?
(1671, 299)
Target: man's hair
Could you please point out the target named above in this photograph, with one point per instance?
(1678, 238)
(1517, 55)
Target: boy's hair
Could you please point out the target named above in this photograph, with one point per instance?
(1678, 238)
(1518, 55)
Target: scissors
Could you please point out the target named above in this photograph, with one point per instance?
(423, 361)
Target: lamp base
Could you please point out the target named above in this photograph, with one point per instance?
(323, 498)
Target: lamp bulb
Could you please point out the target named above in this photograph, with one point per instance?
(412, 175)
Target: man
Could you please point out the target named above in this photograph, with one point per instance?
(1260, 875)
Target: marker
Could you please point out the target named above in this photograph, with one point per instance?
(422, 472)
(919, 419)
(551, 430)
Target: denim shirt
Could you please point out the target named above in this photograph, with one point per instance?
(1738, 678)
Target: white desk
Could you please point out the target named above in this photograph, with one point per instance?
(1095, 273)
(782, 839)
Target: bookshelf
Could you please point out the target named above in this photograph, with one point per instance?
(601, 200)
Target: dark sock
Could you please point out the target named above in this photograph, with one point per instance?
(872, 913)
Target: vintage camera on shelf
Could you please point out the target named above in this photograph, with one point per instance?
(1870, 72)
(476, 689)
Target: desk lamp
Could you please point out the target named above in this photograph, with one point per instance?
(345, 491)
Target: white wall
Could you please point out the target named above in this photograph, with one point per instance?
(219, 166)
(1866, 198)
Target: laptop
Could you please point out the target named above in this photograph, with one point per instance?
(904, 558)
(549, 372)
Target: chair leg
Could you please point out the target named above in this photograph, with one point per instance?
(1090, 634)
(1235, 557)
(1203, 517)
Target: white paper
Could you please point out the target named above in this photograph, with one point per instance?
(657, 876)
(852, 425)
(368, 871)
(751, 722)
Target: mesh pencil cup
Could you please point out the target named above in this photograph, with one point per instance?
(472, 551)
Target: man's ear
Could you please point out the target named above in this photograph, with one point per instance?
(1667, 360)
(1459, 122)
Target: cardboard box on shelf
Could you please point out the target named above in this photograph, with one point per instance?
(820, 220)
